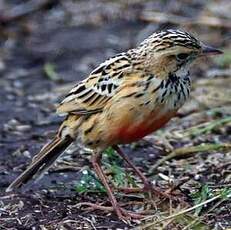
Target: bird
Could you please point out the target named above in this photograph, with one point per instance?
(127, 97)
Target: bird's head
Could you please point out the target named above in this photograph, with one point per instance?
(171, 51)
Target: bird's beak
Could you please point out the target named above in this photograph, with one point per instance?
(208, 50)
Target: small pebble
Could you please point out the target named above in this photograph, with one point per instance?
(85, 172)
(197, 177)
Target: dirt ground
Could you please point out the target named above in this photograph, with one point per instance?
(45, 47)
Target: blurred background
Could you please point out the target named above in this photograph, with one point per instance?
(46, 46)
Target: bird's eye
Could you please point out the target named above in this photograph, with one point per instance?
(182, 56)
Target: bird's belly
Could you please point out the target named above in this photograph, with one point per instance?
(135, 131)
(122, 128)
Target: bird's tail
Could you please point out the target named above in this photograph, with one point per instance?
(43, 160)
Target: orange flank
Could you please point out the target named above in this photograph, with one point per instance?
(127, 134)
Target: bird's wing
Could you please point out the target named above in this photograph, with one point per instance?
(91, 95)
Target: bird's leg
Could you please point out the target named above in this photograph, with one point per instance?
(144, 179)
(147, 183)
(121, 213)
(96, 158)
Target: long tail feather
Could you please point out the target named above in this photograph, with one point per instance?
(42, 161)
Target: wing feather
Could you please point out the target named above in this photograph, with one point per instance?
(92, 94)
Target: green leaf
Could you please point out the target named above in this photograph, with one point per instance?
(200, 196)
(89, 183)
(50, 72)
(225, 193)
(114, 162)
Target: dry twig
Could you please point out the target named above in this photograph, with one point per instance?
(185, 151)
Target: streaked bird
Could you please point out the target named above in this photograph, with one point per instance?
(126, 98)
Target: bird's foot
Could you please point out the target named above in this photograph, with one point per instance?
(122, 213)
(148, 188)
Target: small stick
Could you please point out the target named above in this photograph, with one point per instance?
(179, 213)
(184, 151)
